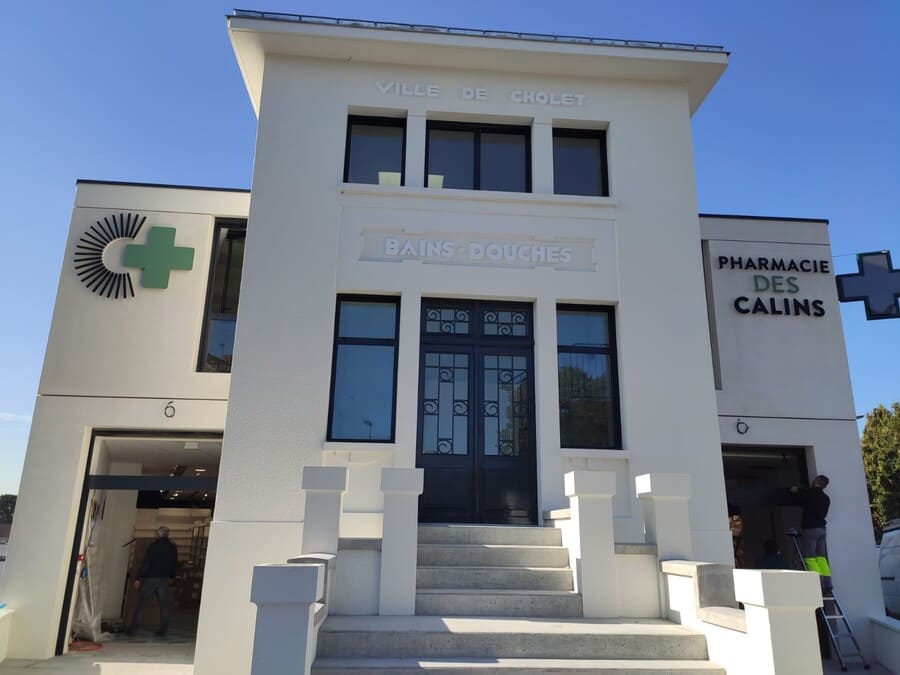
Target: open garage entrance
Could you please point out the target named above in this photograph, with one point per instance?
(137, 485)
(757, 484)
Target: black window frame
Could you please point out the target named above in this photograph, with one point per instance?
(611, 351)
(599, 134)
(375, 121)
(385, 342)
(220, 224)
(478, 129)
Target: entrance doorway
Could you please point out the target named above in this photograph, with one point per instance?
(476, 437)
(136, 484)
(757, 484)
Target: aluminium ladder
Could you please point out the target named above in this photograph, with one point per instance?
(833, 617)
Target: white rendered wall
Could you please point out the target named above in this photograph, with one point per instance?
(303, 247)
(113, 365)
(36, 570)
(105, 347)
(787, 377)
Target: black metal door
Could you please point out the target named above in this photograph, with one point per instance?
(476, 437)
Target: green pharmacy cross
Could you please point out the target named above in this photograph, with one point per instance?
(158, 257)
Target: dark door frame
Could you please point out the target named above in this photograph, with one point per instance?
(93, 482)
(476, 345)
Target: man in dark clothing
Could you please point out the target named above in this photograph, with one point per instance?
(813, 548)
(160, 565)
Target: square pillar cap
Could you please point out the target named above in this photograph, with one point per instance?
(324, 479)
(778, 588)
(402, 481)
(287, 584)
(663, 485)
(583, 483)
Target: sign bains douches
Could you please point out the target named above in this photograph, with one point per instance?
(561, 253)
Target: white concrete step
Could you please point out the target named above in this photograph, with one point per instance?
(492, 555)
(438, 637)
(339, 666)
(460, 576)
(520, 603)
(514, 535)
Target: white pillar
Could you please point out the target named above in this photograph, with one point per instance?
(781, 623)
(592, 546)
(401, 488)
(285, 597)
(667, 519)
(542, 158)
(414, 167)
(325, 487)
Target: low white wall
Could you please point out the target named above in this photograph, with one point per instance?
(886, 635)
(637, 589)
(6, 616)
(356, 581)
(774, 634)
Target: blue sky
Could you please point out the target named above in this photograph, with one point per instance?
(803, 123)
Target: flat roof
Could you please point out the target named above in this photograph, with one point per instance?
(254, 34)
(476, 32)
(732, 216)
(90, 181)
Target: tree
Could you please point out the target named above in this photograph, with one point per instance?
(7, 506)
(881, 460)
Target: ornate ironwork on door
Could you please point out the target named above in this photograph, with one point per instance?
(476, 413)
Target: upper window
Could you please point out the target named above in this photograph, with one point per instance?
(579, 162)
(478, 157)
(588, 387)
(375, 150)
(222, 297)
(363, 381)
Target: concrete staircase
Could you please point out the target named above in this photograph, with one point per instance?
(501, 599)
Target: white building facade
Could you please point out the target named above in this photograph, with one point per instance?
(472, 254)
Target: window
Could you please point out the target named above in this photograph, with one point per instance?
(588, 386)
(579, 162)
(364, 369)
(478, 157)
(376, 147)
(222, 296)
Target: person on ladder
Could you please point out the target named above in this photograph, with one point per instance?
(813, 547)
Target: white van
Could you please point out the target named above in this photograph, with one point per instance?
(889, 564)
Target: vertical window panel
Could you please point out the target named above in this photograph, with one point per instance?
(222, 297)
(375, 150)
(363, 390)
(588, 390)
(579, 163)
(504, 162)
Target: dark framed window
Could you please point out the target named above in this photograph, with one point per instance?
(579, 162)
(376, 149)
(478, 157)
(223, 293)
(363, 402)
(588, 380)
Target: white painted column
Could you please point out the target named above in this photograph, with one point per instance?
(285, 597)
(325, 487)
(542, 158)
(592, 546)
(667, 519)
(414, 168)
(401, 488)
(781, 623)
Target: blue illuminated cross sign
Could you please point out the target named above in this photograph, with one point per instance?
(158, 257)
(877, 284)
